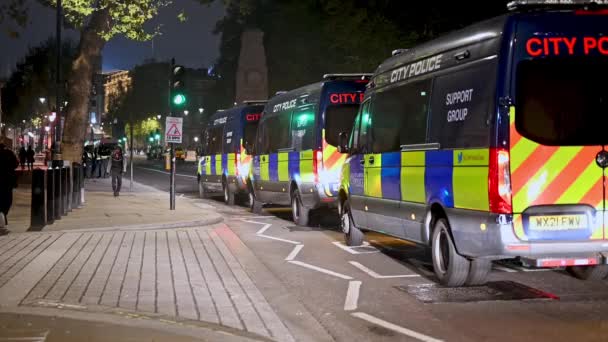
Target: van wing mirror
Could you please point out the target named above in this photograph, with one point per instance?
(343, 142)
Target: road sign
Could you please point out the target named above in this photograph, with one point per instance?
(173, 130)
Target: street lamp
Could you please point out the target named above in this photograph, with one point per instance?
(158, 116)
(42, 100)
(47, 128)
(195, 139)
(201, 110)
(186, 113)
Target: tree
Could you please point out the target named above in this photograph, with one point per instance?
(98, 21)
(33, 78)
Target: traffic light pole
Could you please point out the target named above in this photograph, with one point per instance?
(172, 179)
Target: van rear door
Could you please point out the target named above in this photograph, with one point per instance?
(558, 127)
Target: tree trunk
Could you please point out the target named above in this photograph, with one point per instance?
(79, 85)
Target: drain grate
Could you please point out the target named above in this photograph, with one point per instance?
(498, 290)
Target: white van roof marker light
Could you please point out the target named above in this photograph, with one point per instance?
(398, 52)
(553, 4)
(333, 77)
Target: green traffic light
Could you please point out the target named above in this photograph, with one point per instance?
(179, 99)
(157, 137)
(151, 139)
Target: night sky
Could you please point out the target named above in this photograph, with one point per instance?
(191, 43)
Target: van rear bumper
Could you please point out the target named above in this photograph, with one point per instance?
(483, 234)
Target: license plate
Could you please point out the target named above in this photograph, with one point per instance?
(558, 222)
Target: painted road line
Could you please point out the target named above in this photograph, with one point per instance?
(504, 269)
(394, 327)
(354, 250)
(166, 173)
(294, 252)
(320, 269)
(352, 295)
(261, 232)
(373, 274)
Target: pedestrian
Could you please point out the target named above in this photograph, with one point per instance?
(22, 157)
(31, 156)
(105, 152)
(117, 169)
(8, 181)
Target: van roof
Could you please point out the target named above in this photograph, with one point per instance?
(232, 112)
(484, 30)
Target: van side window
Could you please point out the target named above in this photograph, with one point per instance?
(365, 129)
(400, 116)
(462, 104)
(215, 140)
(353, 141)
(302, 128)
(276, 133)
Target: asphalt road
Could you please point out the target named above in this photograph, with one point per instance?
(153, 173)
(386, 291)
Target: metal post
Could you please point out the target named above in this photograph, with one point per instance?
(131, 159)
(172, 187)
(57, 137)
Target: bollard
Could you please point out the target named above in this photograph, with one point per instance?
(82, 187)
(58, 209)
(70, 185)
(75, 185)
(38, 216)
(50, 196)
(64, 190)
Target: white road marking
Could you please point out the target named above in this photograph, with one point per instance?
(354, 250)
(320, 269)
(294, 252)
(166, 173)
(504, 269)
(394, 327)
(373, 274)
(261, 232)
(352, 295)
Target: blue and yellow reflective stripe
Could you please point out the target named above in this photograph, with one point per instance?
(470, 179)
(218, 165)
(229, 162)
(374, 176)
(283, 166)
(207, 165)
(264, 168)
(306, 174)
(413, 167)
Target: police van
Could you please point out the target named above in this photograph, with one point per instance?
(489, 143)
(224, 165)
(296, 159)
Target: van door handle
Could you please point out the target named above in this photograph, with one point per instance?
(371, 159)
(362, 161)
(263, 159)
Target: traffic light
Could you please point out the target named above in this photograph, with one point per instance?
(178, 87)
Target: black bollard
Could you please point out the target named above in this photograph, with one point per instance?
(38, 218)
(75, 185)
(50, 196)
(70, 185)
(82, 171)
(57, 198)
(64, 190)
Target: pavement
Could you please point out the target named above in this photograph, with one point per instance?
(142, 207)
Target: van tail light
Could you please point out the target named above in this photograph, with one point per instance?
(317, 163)
(499, 190)
(237, 163)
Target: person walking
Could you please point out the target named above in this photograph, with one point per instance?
(31, 156)
(8, 181)
(22, 157)
(117, 169)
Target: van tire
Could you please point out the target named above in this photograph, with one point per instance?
(254, 204)
(451, 268)
(597, 272)
(354, 237)
(228, 196)
(300, 212)
(478, 273)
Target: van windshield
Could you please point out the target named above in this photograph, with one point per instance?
(339, 119)
(563, 101)
(249, 132)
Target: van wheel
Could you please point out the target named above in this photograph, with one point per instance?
(300, 212)
(228, 196)
(353, 236)
(201, 191)
(451, 268)
(254, 205)
(479, 271)
(597, 272)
